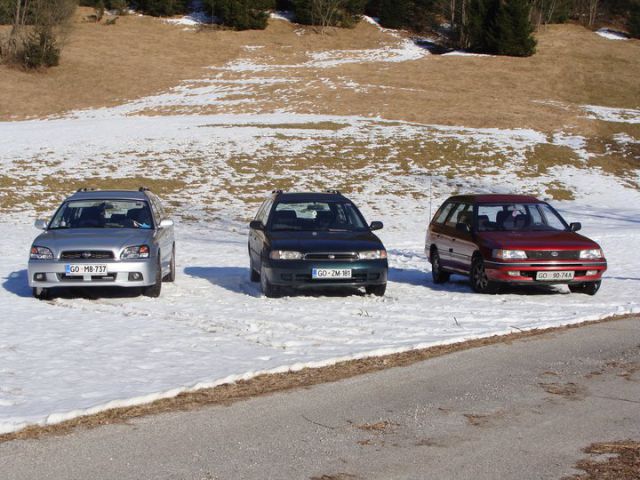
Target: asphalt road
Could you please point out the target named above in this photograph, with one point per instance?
(522, 410)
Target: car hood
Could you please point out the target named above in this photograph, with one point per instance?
(530, 240)
(324, 241)
(113, 239)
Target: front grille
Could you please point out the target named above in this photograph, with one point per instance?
(344, 256)
(109, 277)
(553, 254)
(86, 255)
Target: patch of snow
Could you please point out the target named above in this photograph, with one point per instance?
(193, 19)
(608, 114)
(612, 34)
(284, 15)
(461, 53)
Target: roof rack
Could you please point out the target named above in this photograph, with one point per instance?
(276, 192)
(143, 189)
(334, 191)
(86, 189)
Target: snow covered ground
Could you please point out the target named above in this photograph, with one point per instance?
(80, 354)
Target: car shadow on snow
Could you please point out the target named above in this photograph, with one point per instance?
(234, 279)
(17, 283)
(460, 284)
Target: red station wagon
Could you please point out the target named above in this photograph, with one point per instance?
(513, 239)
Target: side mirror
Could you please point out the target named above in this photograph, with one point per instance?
(463, 227)
(40, 224)
(166, 223)
(376, 226)
(575, 226)
(256, 225)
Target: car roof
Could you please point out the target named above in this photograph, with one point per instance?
(309, 197)
(494, 198)
(108, 195)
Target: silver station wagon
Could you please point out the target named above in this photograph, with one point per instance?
(101, 239)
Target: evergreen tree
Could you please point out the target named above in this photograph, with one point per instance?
(242, 14)
(162, 8)
(395, 13)
(633, 23)
(513, 34)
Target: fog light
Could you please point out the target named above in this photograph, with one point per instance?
(135, 276)
(591, 273)
(513, 273)
(40, 277)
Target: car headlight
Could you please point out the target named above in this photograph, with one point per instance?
(138, 251)
(285, 255)
(372, 255)
(40, 253)
(591, 254)
(510, 254)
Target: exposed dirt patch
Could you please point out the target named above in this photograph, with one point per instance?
(623, 464)
(381, 426)
(337, 476)
(267, 384)
(569, 390)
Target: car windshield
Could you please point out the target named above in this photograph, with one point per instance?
(519, 217)
(103, 214)
(328, 216)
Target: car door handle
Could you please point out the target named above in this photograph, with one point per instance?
(451, 250)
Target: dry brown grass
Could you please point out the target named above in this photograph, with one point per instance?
(622, 464)
(270, 383)
(140, 56)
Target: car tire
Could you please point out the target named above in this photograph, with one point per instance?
(171, 276)
(588, 288)
(438, 275)
(268, 289)
(479, 280)
(254, 275)
(41, 293)
(377, 290)
(153, 291)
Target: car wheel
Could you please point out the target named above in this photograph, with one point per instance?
(171, 276)
(479, 280)
(41, 293)
(377, 290)
(255, 276)
(438, 275)
(154, 290)
(590, 288)
(268, 289)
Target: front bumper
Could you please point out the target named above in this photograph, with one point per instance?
(119, 274)
(297, 273)
(524, 273)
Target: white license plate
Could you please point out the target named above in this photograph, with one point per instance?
(554, 276)
(85, 269)
(322, 273)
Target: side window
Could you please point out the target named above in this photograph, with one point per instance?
(263, 213)
(461, 214)
(154, 206)
(441, 215)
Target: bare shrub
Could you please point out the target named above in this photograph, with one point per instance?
(38, 31)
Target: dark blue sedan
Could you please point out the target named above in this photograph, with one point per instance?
(315, 240)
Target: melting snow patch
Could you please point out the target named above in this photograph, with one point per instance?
(612, 34)
(608, 114)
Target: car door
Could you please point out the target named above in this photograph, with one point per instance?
(257, 237)
(437, 233)
(164, 236)
(453, 240)
(462, 245)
